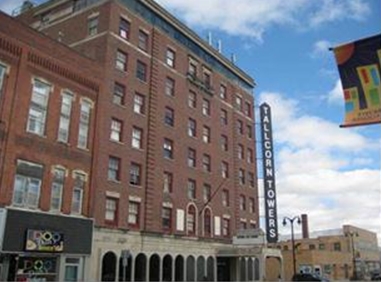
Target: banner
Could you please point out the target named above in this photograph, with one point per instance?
(359, 65)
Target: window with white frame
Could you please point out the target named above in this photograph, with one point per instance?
(57, 189)
(191, 220)
(38, 107)
(133, 213)
(116, 130)
(121, 61)
(191, 157)
(111, 210)
(135, 174)
(139, 104)
(78, 190)
(169, 87)
(167, 181)
(84, 124)
(191, 127)
(119, 94)
(191, 189)
(206, 163)
(170, 58)
(206, 134)
(137, 136)
(113, 169)
(64, 124)
(166, 215)
(3, 71)
(27, 184)
(192, 99)
(206, 107)
(168, 148)
(238, 102)
(124, 28)
(92, 26)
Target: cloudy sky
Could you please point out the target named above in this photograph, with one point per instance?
(330, 173)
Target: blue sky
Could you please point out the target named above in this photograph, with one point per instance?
(330, 173)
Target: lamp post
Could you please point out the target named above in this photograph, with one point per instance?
(291, 220)
(351, 235)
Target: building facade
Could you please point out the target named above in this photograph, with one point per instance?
(170, 160)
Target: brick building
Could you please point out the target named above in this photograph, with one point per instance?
(170, 159)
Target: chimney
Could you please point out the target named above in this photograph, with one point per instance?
(305, 226)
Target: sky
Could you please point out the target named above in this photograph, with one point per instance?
(332, 174)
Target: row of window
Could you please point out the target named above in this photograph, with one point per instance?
(28, 183)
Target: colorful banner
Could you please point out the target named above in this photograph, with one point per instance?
(44, 241)
(359, 65)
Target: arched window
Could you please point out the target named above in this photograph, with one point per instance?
(109, 267)
(207, 223)
(191, 220)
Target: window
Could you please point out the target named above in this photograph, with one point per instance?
(143, 40)
(169, 87)
(239, 127)
(242, 203)
(166, 216)
(124, 29)
(57, 188)
(192, 102)
(133, 213)
(224, 169)
(321, 246)
(206, 163)
(205, 107)
(225, 227)
(79, 187)
(170, 58)
(206, 134)
(27, 185)
(92, 26)
(207, 192)
(191, 127)
(252, 205)
(242, 224)
(3, 71)
(169, 116)
(191, 220)
(240, 151)
(224, 143)
(72, 269)
(192, 69)
(111, 210)
(223, 92)
(249, 131)
(137, 138)
(121, 61)
(119, 94)
(311, 247)
(84, 123)
(225, 198)
(191, 157)
(337, 246)
(167, 181)
(168, 149)
(64, 124)
(38, 107)
(248, 109)
(224, 117)
(135, 174)
(251, 179)
(250, 156)
(191, 189)
(238, 103)
(141, 71)
(207, 79)
(139, 105)
(207, 223)
(241, 176)
(113, 169)
(116, 130)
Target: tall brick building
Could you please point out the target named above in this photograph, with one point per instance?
(170, 158)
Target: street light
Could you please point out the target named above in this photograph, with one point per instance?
(291, 220)
(351, 235)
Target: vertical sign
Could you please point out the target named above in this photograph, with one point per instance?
(268, 174)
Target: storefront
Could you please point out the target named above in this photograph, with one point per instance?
(43, 247)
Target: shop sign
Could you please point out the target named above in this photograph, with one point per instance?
(44, 241)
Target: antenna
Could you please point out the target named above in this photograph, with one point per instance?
(210, 38)
(233, 58)
(219, 46)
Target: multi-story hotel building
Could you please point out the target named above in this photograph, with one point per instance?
(168, 168)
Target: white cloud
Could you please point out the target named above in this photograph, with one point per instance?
(323, 170)
(253, 17)
(321, 49)
(336, 95)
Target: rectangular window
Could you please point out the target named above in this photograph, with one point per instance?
(224, 169)
(119, 94)
(206, 134)
(207, 192)
(79, 187)
(250, 156)
(239, 127)
(224, 143)
(3, 70)
(225, 227)
(116, 130)
(238, 103)
(64, 124)
(191, 157)
(225, 198)
(242, 203)
(248, 109)
(167, 182)
(133, 213)
(141, 71)
(241, 176)
(251, 179)
(169, 116)
(252, 205)
(92, 26)
(192, 69)
(27, 184)
(166, 215)
(135, 174)
(205, 107)
(191, 189)
(38, 107)
(169, 87)
(223, 92)
(224, 117)
(114, 169)
(240, 152)
(124, 28)
(337, 246)
(139, 103)
(192, 102)
(207, 79)
(168, 149)
(57, 188)
(170, 58)
(192, 128)
(111, 210)
(84, 123)
(206, 163)
(143, 40)
(121, 61)
(137, 138)
(249, 131)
